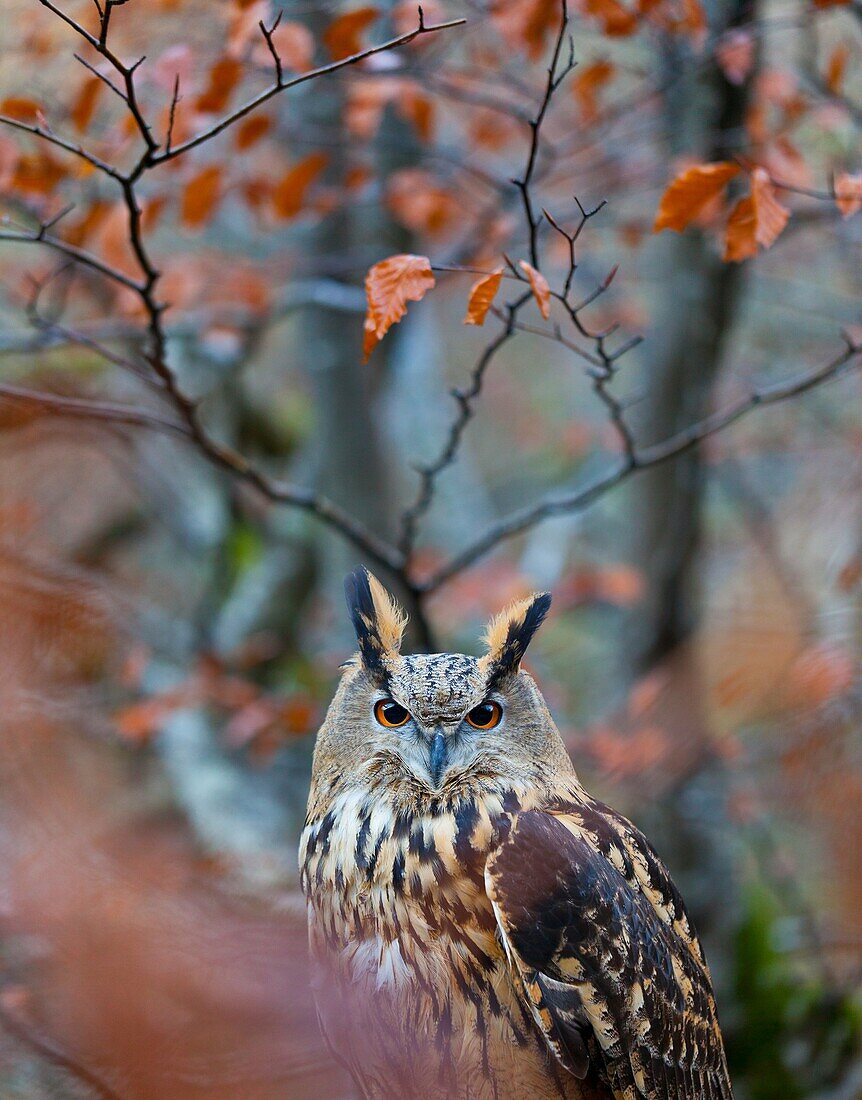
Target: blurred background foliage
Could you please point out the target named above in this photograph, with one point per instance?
(170, 640)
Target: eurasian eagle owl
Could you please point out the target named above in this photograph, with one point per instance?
(480, 926)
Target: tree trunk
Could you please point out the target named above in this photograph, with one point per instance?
(704, 115)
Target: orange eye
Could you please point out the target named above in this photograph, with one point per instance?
(485, 716)
(391, 714)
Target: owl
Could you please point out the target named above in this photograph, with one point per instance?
(481, 928)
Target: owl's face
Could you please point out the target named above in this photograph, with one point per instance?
(437, 724)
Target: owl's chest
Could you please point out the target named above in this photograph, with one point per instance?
(397, 898)
(412, 983)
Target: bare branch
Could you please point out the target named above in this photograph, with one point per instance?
(175, 98)
(76, 408)
(69, 21)
(553, 82)
(101, 76)
(61, 143)
(302, 78)
(79, 255)
(636, 460)
(270, 45)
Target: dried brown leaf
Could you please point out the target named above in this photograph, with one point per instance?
(689, 192)
(343, 36)
(540, 288)
(756, 219)
(288, 196)
(482, 295)
(389, 286)
(201, 196)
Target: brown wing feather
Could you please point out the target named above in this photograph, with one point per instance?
(608, 960)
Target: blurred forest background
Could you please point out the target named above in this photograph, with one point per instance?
(182, 393)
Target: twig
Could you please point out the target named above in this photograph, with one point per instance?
(466, 398)
(553, 82)
(61, 143)
(79, 255)
(466, 401)
(77, 408)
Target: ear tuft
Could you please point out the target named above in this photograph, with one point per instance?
(509, 633)
(377, 619)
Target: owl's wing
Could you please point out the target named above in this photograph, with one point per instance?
(612, 971)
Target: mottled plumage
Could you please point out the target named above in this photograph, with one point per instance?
(480, 926)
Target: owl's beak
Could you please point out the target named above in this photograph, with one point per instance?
(437, 757)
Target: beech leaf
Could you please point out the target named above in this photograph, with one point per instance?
(389, 286)
(616, 20)
(343, 35)
(251, 130)
(17, 107)
(540, 288)
(224, 77)
(587, 84)
(482, 294)
(690, 191)
(288, 195)
(201, 196)
(84, 104)
(756, 219)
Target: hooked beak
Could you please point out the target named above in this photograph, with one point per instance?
(437, 758)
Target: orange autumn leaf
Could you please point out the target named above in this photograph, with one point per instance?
(80, 231)
(539, 286)
(482, 294)
(37, 174)
(17, 107)
(836, 67)
(689, 192)
(417, 109)
(152, 210)
(756, 219)
(526, 24)
(201, 196)
(420, 203)
(288, 195)
(84, 105)
(586, 85)
(389, 286)
(250, 131)
(848, 193)
(224, 77)
(616, 20)
(343, 35)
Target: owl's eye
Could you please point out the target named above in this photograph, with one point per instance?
(486, 715)
(391, 714)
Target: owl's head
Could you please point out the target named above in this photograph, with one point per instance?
(437, 724)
